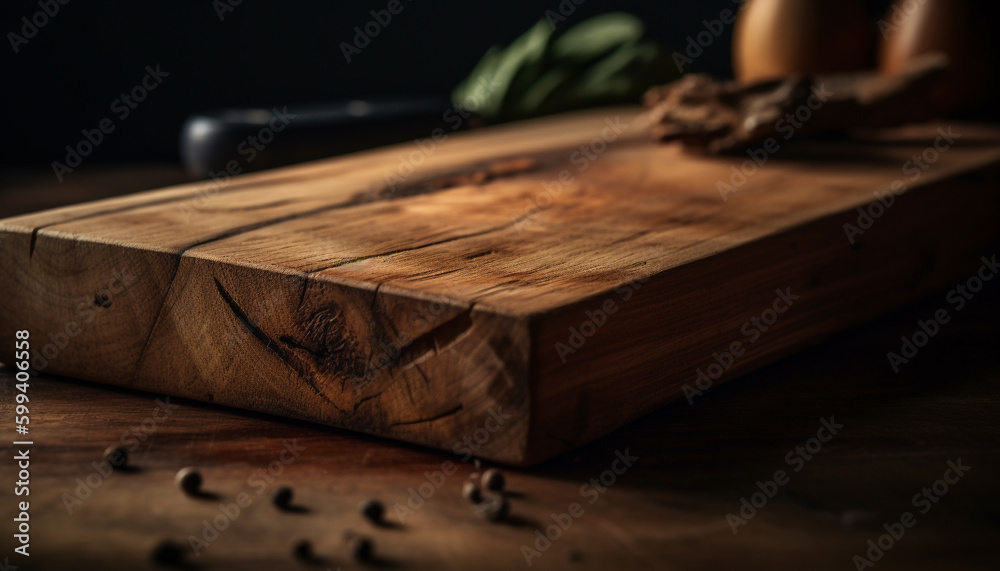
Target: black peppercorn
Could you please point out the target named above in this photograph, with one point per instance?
(493, 480)
(361, 548)
(493, 507)
(303, 550)
(168, 553)
(189, 480)
(117, 456)
(471, 492)
(282, 497)
(373, 510)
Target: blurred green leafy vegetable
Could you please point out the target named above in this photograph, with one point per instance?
(601, 61)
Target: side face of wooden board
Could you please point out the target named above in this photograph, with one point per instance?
(430, 307)
(422, 369)
(679, 334)
(142, 292)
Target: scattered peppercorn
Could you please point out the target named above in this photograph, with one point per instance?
(168, 553)
(303, 550)
(361, 548)
(471, 492)
(117, 456)
(493, 507)
(282, 497)
(189, 480)
(373, 510)
(493, 480)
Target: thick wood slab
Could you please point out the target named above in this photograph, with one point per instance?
(438, 309)
(667, 511)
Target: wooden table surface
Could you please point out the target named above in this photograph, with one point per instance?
(667, 510)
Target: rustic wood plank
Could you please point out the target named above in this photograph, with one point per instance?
(413, 310)
(666, 511)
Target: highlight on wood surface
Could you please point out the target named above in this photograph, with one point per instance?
(527, 289)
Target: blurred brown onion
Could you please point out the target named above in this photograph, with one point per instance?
(955, 28)
(779, 38)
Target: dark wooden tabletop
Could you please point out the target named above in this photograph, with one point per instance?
(673, 505)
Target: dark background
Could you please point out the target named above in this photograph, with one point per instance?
(264, 54)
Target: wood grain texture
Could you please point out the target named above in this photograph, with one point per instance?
(420, 310)
(668, 511)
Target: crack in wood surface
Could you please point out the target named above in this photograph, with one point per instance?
(236, 187)
(252, 207)
(31, 245)
(256, 331)
(435, 182)
(273, 346)
(437, 340)
(358, 200)
(159, 315)
(353, 260)
(444, 414)
(476, 175)
(366, 399)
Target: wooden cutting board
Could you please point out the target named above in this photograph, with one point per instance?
(509, 293)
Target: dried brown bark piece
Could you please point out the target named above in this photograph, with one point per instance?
(720, 117)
